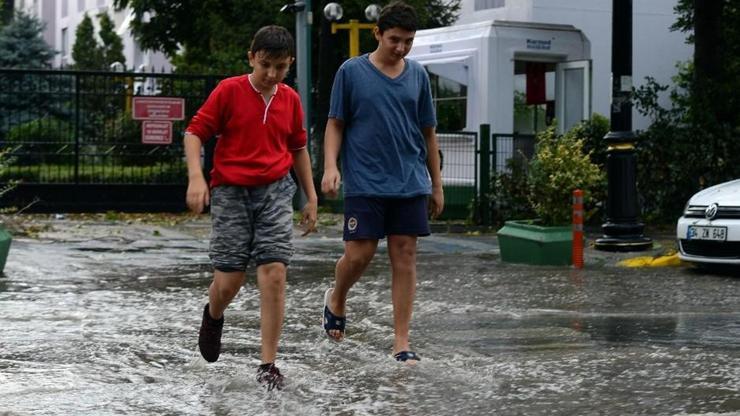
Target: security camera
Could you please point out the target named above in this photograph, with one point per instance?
(298, 6)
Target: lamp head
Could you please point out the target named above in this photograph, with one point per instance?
(333, 12)
(296, 7)
(372, 12)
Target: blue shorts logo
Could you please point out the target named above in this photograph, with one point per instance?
(352, 224)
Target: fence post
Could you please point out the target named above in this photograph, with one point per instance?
(77, 128)
(484, 174)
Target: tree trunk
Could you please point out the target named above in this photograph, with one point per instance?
(708, 47)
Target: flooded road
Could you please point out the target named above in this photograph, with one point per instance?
(102, 319)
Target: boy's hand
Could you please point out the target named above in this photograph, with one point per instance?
(436, 202)
(198, 196)
(330, 182)
(309, 217)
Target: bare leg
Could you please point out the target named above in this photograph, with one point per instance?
(222, 291)
(402, 253)
(357, 255)
(271, 282)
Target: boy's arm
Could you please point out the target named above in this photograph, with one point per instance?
(332, 143)
(437, 202)
(302, 167)
(198, 196)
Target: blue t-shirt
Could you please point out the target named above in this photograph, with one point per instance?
(383, 149)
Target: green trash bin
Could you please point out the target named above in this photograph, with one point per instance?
(5, 239)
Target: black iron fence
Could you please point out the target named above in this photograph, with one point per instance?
(458, 172)
(76, 147)
(494, 152)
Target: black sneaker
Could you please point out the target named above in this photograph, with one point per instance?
(269, 376)
(209, 337)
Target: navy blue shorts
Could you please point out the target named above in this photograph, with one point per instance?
(369, 218)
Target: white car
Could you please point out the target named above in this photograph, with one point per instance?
(709, 230)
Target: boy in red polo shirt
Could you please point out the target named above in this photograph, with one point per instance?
(259, 124)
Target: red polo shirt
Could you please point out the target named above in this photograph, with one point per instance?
(255, 137)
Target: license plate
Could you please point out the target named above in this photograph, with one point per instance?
(698, 232)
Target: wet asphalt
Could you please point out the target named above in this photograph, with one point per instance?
(101, 317)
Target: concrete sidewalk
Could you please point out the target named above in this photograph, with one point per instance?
(446, 237)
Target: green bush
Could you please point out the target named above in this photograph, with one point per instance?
(46, 129)
(592, 133)
(560, 166)
(681, 152)
(38, 140)
(511, 191)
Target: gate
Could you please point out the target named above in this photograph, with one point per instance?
(75, 146)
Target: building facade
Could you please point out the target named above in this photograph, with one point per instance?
(62, 17)
(656, 49)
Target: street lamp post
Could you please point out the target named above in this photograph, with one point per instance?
(303, 22)
(622, 231)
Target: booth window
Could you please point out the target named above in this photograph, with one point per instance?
(534, 96)
(489, 4)
(450, 103)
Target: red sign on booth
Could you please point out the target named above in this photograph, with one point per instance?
(156, 132)
(158, 108)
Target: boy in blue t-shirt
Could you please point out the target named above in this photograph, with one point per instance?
(382, 118)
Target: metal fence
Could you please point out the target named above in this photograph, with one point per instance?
(494, 153)
(469, 167)
(458, 172)
(512, 146)
(75, 145)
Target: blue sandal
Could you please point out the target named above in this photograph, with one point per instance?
(404, 356)
(332, 322)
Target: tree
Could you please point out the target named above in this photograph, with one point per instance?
(6, 12)
(23, 95)
(22, 44)
(703, 123)
(442, 13)
(712, 26)
(112, 47)
(85, 52)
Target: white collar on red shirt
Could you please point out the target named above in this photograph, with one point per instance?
(267, 102)
(274, 90)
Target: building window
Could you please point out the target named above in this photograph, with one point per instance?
(489, 4)
(65, 41)
(450, 102)
(80, 5)
(65, 7)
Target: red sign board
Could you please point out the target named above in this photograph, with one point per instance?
(156, 132)
(158, 108)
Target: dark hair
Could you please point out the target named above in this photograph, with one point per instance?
(398, 14)
(274, 41)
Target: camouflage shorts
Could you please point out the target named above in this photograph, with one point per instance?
(252, 223)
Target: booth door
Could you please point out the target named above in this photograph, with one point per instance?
(572, 93)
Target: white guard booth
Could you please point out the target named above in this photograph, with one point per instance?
(487, 57)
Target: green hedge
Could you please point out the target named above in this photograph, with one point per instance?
(65, 173)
